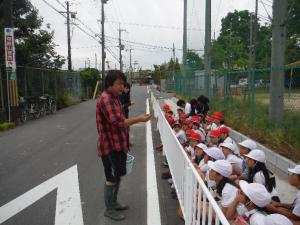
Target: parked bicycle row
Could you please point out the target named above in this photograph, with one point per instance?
(35, 107)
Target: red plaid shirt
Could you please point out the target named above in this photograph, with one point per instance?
(112, 133)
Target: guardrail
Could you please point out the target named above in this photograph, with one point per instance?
(197, 203)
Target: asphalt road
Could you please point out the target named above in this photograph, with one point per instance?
(39, 150)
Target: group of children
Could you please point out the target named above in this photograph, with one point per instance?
(244, 188)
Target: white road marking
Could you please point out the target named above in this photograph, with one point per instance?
(68, 203)
(153, 211)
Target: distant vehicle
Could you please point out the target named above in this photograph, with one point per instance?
(243, 82)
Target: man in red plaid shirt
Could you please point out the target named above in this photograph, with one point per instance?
(112, 127)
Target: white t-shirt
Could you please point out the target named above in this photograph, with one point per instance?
(229, 193)
(296, 204)
(256, 217)
(201, 132)
(214, 126)
(191, 150)
(187, 108)
(260, 178)
(203, 166)
(181, 136)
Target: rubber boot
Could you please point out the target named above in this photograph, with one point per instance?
(110, 212)
(116, 204)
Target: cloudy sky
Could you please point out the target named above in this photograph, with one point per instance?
(152, 26)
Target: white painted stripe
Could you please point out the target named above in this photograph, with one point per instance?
(153, 211)
(68, 203)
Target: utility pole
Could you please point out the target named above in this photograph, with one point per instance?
(130, 66)
(174, 61)
(276, 106)
(103, 43)
(69, 37)
(184, 44)
(121, 47)
(95, 61)
(207, 47)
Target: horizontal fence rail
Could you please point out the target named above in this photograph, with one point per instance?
(197, 203)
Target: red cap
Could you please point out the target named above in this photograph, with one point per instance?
(194, 118)
(224, 129)
(214, 133)
(218, 115)
(166, 107)
(189, 132)
(209, 119)
(176, 124)
(196, 136)
(170, 120)
(186, 122)
(196, 122)
(182, 116)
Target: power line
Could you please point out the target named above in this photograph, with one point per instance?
(61, 4)
(155, 26)
(269, 17)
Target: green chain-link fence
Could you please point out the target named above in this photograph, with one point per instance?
(244, 98)
(66, 86)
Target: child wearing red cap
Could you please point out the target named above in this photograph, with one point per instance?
(214, 136)
(224, 137)
(218, 120)
(180, 134)
(196, 126)
(193, 140)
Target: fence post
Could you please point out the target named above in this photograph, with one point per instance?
(251, 96)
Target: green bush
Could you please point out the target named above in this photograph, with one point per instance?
(6, 126)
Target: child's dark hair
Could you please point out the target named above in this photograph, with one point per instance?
(222, 183)
(181, 103)
(112, 76)
(127, 85)
(269, 181)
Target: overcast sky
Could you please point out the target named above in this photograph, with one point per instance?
(164, 16)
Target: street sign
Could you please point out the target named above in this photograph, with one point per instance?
(10, 60)
(68, 203)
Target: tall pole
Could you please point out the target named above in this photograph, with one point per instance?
(174, 61)
(96, 61)
(207, 47)
(184, 43)
(130, 66)
(69, 37)
(121, 47)
(276, 106)
(102, 43)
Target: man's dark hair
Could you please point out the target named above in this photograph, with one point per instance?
(112, 76)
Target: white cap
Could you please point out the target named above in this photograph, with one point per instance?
(228, 145)
(233, 159)
(214, 152)
(257, 193)
(296, 170)
(248, 144)
(221, 166)
(276, 219)
(257, 155)
(202, 146)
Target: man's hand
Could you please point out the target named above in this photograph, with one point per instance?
(144, 117)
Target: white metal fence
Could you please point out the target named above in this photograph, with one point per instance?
(197, 203)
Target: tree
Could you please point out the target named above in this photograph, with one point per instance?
(231, 49)
(293, 32)
(89, 76)
(34, 46)
(194, 61)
